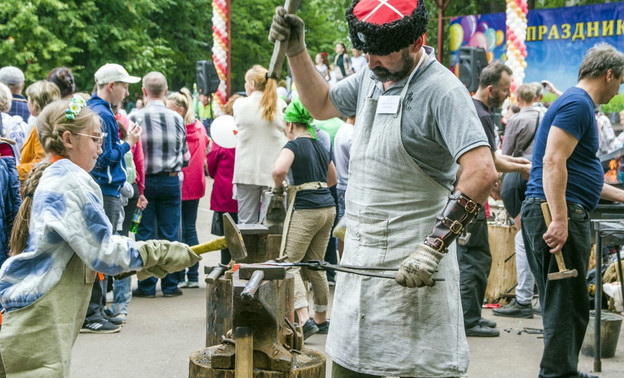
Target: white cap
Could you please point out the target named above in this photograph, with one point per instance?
(112, 72)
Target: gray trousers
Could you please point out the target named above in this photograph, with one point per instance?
(526, 282)
(249, 197)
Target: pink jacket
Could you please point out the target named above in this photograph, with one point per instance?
(137, 153)
(194, 184)
(221, 169)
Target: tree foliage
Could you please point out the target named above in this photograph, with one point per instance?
(141, 35)
(171, 35)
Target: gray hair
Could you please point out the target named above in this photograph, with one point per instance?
(492, 74)
(526, 93)
(6, 98)
(155, 84)
(599, 59)
(538, 88)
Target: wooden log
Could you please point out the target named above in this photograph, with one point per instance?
(503, 271)
(308, 364)
(243, 336)
(218, 310)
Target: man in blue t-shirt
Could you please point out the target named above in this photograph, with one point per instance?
(567, 174)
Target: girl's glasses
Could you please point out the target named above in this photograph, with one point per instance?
(97, 139)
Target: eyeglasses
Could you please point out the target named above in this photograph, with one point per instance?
(97, 139)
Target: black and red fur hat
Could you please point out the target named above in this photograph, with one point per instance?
(381, 27)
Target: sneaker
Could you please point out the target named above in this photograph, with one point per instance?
(183, 284)
(580, 374)
(121, 317)
(483, 322)
(175, 293)
(309, 328)
(141, 294)
(480, 331)
(99, 326)
(515, 310)
(323, 327)
(112, 319)
(193, 284)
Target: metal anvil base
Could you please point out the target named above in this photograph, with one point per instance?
(264, 303)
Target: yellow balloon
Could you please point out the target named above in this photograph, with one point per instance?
(523, 64)
(500, 37)
(457, 36)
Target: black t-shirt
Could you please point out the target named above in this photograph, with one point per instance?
(487, 121)
(310, 165)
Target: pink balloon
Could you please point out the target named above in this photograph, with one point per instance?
(524, 53)
(512, 36)
(478, 39)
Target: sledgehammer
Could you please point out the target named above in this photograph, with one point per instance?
(563, 272)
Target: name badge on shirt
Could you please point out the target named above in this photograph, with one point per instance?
(388, 104)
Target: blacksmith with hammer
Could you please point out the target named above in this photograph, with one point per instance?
(415, 127)
(567, 174)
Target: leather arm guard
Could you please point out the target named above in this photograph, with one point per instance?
(458, 212)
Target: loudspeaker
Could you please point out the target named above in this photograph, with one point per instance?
(207, 78)
(471, 61)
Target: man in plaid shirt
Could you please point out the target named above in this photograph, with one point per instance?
(166, 153)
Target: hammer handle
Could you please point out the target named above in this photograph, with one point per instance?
(548, 219)
(279, 49)
(199, 249)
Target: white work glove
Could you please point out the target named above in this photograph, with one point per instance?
(288, 27)
(161, 257)
(416, 270)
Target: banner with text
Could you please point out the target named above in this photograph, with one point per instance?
(557, 38)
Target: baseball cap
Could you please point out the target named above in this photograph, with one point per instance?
(112, 72)
(11, 75)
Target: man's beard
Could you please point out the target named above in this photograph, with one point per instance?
(496, 101)
(384, 75)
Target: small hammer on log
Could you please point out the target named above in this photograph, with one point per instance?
(563, 272)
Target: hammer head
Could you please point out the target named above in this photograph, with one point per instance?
(568, 273)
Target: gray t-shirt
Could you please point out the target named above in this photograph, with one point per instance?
(439, 122)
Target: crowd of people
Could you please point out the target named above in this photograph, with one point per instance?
(387, 140)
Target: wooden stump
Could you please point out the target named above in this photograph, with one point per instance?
(218, 310)
(308, 364)
(503, 271)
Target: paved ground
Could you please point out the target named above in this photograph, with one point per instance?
(162, 332)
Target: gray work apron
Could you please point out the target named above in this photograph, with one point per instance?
(37, 340)
(379, 327)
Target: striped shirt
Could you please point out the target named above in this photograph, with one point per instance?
(163, 138)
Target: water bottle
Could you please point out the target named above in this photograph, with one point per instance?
(136, 220)
(196, 100)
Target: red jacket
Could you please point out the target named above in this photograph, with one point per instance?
(221, 169)
(194, 184)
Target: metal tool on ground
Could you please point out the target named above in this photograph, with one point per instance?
(279, 50)
(351, 269)
(563, 271)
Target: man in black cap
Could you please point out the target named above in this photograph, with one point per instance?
(415, 128)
